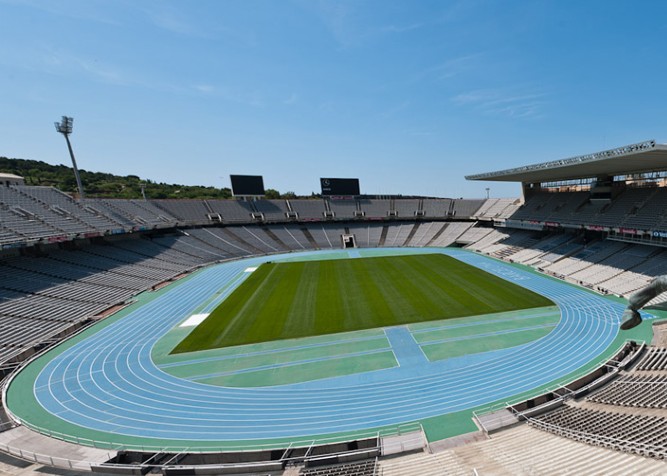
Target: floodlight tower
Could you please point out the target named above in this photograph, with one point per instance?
(65, 128)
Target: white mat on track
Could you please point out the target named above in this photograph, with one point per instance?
(194, 320)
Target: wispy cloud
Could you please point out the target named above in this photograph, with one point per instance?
(191, 22)
(292, 99)
(337, 18)
(499, 102)
(171, 19)
(400, 28)
(351, 25)
(396, 109)
(420, 132)
(95, 11)
(247, 98)
(46, 59)
(57, 62)
(454, 66)
(204, 88)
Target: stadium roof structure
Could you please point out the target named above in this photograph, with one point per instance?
(637, 158)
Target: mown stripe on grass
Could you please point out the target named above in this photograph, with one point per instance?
(290, 300)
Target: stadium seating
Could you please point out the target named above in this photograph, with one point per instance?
(634, 208)
(437, 208)
(406, 208)
(54, 289)
(520, 450)
(450, 233)
(343, 209)
(367, 235)
(375, 208)
(140, 212)
(292, 236)
(635, 390)
(66, 206)
(626, 415)
(309, 209)
(497, 208)
(231, 211)
(426, 233)
(654, 360)
(273, 210)
(186, 211)
(363, 468)
(629, 432)
(465, 208)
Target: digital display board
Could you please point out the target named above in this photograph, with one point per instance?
(247, 184)
(340, 186)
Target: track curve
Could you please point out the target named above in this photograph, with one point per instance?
(109, 383)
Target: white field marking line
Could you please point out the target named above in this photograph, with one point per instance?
(287, 364)
(481, 323)
(418, 345)
(398, 363)
(269, 351)
(213, 301)
(227, 290)
(251, 269)
(487, 334)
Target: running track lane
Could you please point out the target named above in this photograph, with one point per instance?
(109, 383)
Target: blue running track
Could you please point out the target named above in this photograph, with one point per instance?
(109, 383)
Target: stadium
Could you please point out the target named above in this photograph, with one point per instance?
(348, 334)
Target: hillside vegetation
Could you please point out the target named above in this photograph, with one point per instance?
(105, 185)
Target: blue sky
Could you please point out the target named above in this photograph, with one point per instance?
(409, 96)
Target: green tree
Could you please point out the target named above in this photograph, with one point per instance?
(272, 194)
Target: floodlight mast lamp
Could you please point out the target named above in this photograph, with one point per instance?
(65, 128)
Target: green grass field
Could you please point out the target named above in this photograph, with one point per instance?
(300, 299)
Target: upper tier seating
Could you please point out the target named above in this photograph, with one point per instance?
(309, 209)
(343, 209)
(406, 208)
(635, 208)
(375, 208)
(187, 211)
(232, 211)
(273, 210)
(437, 208)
